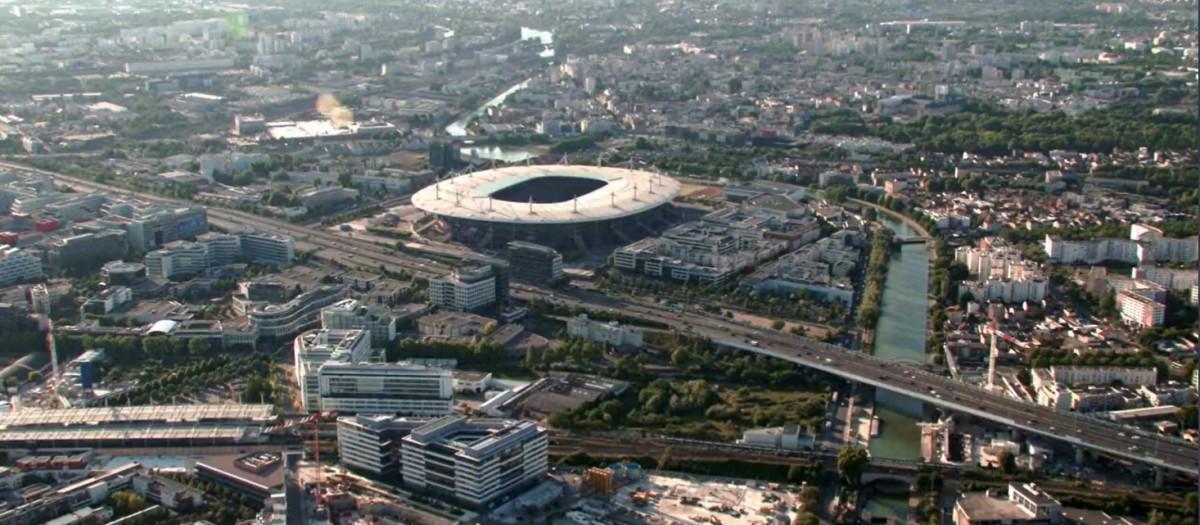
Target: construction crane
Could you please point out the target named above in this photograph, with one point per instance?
(662, 460)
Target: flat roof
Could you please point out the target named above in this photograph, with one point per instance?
(626, 192)
(137, 414)
(52, 435)
(265, 480)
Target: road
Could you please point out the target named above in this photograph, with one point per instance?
(940, 391)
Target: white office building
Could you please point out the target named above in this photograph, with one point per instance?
(316, 347)
(464, 289)
(473, 462)
(285, 320)
(611, 333)
(179, 257)
(385, 388)
(17, 265)
(267, 248)
(352, 314)
(222, 248)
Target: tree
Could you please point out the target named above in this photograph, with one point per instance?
(489, 328)
(796, 473)
(198, 346)
(851, 460)
(806, 518)
(1008, 462)
(345, 179)
(777, 324)
(735, 85)
(810, 497)
(11, 381)
(34, 376)
(125, 503)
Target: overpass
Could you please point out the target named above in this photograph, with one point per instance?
(1082, 432)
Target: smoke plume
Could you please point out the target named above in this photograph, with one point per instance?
(330, 107)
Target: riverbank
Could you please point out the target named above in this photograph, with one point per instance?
(914, 225)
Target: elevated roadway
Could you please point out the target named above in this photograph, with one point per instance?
(1081, 432)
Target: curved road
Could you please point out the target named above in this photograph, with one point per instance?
(940, 391)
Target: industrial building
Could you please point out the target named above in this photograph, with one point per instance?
(138, 426)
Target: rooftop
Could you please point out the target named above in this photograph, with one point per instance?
(624, 192)
(140, 414)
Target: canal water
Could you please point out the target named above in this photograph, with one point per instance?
(900, 335)
(458, 128)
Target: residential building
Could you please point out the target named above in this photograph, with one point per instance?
(464, 289)
(167, 492)
(1093, 251)
(473, 462)
(385, 388)
(534, 263)
(1103, 375)
(611, 333)
(1155, 247)
(351, 314)
(17, 265)
(178, 258)
(1173, 279)
(285, 320)
(267, 248)
(314, 348)
(1142, 307)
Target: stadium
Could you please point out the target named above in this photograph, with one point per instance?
(573, 207)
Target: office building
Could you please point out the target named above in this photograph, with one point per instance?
(610, 333)
(314, 348)
(285, 320)
(350, 314)
(385, 388)
(122, 273)
(371, 444)
(87, 250)
(473, 462)
(150, 227)
(178, 258)
(464, 289)
(534, 263)
(108, 300)
(222, 248)
(1104, 375)
(267, 248)
(444, 155)
(257, 475)
(17, 266)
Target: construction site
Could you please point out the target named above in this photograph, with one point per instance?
(695, 500)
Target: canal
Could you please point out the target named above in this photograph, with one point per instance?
(900, 335)
(458, 128)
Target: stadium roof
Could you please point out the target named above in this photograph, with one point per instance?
(625, 192)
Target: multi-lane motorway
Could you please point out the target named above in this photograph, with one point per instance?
(1081, 432)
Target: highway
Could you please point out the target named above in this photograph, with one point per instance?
(943, 392)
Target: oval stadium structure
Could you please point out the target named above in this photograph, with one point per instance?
(555, 205)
